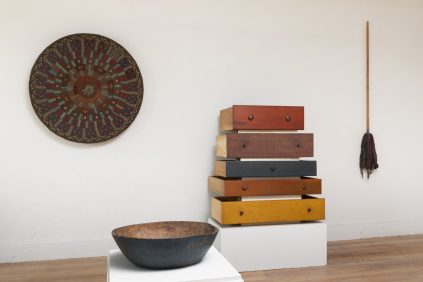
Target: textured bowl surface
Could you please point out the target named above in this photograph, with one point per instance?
(167, 244)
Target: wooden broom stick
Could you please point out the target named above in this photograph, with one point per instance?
(367, 79)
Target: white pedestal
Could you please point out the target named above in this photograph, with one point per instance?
(250, 248)
(213, 268)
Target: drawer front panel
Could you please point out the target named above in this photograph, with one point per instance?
(265, 168)
(265, 145)
(273, 211)
(268, 118)
(264, 187)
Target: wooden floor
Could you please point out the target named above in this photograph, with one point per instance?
(380, 259)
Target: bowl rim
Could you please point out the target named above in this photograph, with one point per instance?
(215, 230)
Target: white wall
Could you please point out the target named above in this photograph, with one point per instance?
(61, 199)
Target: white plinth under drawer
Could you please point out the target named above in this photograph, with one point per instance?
(261, 247)
(213, 268)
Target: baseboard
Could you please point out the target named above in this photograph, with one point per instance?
(361, 230)
(18, 252)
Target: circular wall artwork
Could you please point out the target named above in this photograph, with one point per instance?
(86, 88)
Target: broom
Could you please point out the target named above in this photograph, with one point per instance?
(368, 156)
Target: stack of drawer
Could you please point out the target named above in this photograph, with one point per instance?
(259, 155)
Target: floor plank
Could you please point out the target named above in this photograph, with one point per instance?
(373, 260)
(76, 270)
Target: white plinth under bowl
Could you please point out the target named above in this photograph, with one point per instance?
(213, 268)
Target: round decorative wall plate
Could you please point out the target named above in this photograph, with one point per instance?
(86, 88)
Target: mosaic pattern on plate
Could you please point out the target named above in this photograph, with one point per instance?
(86, 88)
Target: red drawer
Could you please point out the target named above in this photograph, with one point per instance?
(262, 118)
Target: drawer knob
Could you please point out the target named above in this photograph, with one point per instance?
(288, 118)
(244, 145)
(244, 188)
(303, 186)
(272, 169)
(250, 117)
(241, 213)
(309, 210)
(298, 145)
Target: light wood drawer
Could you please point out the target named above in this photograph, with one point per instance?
(265, 168)
(264, 187)
(240, 117)
(227, 210)
(264, 145)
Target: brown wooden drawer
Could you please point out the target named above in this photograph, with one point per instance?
(262, 118)
(264, 187)
(230, 211)
(264, 145)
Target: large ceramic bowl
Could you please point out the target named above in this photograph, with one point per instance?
(167, 244)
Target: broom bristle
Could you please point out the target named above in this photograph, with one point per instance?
(368, 156)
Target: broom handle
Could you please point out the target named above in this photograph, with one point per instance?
(367, 79)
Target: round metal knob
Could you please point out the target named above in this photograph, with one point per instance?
(244, 188)
(250, 117)
(272, 169)
(298, 145)
(288, 118)
(241, 213)
(244, 145)
(309, 210)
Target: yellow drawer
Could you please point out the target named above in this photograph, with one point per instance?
(229, 210)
